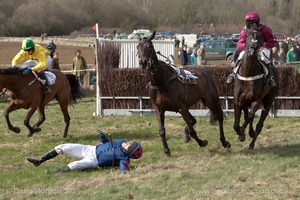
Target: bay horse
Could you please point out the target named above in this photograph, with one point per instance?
(167, 93)
(27, 92)
(250, 88)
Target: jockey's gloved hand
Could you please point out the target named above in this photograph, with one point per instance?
(27, 70)
(103, 137)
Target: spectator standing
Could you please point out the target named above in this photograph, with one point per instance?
(276, 44)
(51, 48)
(183, 56)
(275, 56)
(182, 41)
(79, 65)
(201, 59)
(194, 58)
(177, 42)
(189, 53)
(54, 62)
(282, 56)
(285, 45)
(291, 55)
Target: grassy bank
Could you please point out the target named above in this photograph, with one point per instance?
(270, 171)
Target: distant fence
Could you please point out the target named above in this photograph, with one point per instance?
(195, 112)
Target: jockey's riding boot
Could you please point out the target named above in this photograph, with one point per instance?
(36, 162)
(270, 79)
(47, 88)
(62, 170)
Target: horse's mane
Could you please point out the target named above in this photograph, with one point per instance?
(9, 71)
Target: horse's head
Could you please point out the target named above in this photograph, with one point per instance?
(254, 40)
(146, 52)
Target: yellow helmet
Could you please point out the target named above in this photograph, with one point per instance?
(27, 44)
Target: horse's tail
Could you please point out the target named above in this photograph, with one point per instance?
(76, 90)
(214, 117)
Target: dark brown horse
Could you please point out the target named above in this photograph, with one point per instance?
(169, 94)
(27, 92)
(251, 89)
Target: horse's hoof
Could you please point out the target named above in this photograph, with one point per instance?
(203, 143)
(29, 134)
(251, 146)
(16, 129)
(226, 144)
(242, 138)
(186, 137)
(252, 134)
(167, 152)
(37, 129)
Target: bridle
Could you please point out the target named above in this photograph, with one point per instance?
(255, 43)
(148, 65)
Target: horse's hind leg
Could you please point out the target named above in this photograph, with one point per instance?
(11, 108)
(162, 132)
(186, 135)
(217, 114)
(186, 116)
(67, 118)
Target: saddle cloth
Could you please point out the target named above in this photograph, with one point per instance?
(185, 76)
(51, 78)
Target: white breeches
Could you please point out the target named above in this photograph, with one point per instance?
(86, 153)
(264, 55)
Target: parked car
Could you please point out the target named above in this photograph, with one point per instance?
(159, 36)
(235, 37)
(226, 35)
(279, 36)
(123, 36)
(296, 36)
(218, 49)
(139, 33)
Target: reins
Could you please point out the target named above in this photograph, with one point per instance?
(29, 84)
(15, 92)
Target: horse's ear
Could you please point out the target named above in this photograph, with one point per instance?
(152, 35)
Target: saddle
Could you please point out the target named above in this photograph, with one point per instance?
(184, 76)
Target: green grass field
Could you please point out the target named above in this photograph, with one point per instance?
(270, 171)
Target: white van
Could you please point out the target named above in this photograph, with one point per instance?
(139, 33)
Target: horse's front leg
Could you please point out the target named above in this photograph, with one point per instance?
(30, 112)
(11, 108)
(186, 116)
(236, 126)
(260, 123)
(162, 132)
